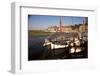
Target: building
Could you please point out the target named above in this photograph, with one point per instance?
(52, 29)
(69, 28)
(83, 28)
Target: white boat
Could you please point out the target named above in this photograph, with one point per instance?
(59, 46)
(55, 46)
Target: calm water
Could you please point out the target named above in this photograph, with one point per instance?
(35, 47)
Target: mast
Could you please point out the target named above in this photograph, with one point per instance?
(86, 20)
(60, 24)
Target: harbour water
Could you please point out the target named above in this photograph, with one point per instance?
(36, 50)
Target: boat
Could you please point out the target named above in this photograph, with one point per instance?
(61, 39)
(55, 45)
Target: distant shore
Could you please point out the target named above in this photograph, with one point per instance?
(38, 33)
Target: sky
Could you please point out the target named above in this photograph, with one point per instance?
(41, 22)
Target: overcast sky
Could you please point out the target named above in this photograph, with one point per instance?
(40, 22)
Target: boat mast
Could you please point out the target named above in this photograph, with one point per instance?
(60, 24)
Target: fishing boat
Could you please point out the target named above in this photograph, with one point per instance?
(62, 39)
